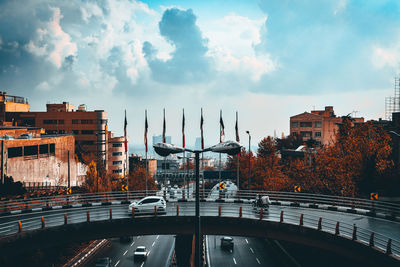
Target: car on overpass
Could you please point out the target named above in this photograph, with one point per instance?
(140, 253)
(148, 204)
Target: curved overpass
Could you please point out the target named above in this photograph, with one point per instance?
(372, 240)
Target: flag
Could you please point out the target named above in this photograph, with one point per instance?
(146, 126)
(222, 129)
(183, 129)
(237, 128)
(125, 140)
(164, 128)
(201, 129)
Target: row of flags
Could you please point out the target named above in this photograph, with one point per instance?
(146, 126)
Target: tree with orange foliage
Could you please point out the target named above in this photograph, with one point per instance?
(187, 166)
(243, 167)
(137, 180)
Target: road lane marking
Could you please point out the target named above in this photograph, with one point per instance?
(258, 261)
(234, 261)
(142, 264)
(157, 237)
(116, 263)
(246, 240)
(252, 250)
(132, 243)
(138, 237)
(148, 253)
(125, 253)
(153, 244)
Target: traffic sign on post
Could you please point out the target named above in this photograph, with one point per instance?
(69, 191)
(297, 188)
(374, 196)
(124, 187)
(221, 186)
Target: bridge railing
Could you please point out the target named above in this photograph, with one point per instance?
(242, 210)
(391, 210)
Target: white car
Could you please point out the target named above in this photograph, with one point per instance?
(140, 253)
(146, 205)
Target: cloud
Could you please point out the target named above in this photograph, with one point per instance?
(188, 63)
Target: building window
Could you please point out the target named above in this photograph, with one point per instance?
(14, 152)
(86, 121)
(49, 121)
(87, 143)
(117, 171)
(75, 131)
(102, 121)
(317, 134)
(60, 121)
(75, 121)
(306, 124)
(61, 131)
(117, 162)
(317, 124)
(44, 149)
(87, 132)
(295, 124)
(117, 145)
(115, 154)
(30, 150)
(52, 149)
(306, 134)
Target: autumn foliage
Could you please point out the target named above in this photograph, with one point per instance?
(359, 162)
(137, 180)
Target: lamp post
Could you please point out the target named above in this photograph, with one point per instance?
(228, 147)
(248, 132)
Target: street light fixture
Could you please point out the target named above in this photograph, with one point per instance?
(228, 147)
(248, 132)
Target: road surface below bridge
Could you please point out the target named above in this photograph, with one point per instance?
(121, 253)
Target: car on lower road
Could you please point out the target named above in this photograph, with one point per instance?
(140, 253)
(146, 205)
(103, 262)
(227, 242)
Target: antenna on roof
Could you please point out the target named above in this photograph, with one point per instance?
(355, 113)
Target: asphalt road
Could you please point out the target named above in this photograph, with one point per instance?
(121, 253)
(9, 225)
(246, 252)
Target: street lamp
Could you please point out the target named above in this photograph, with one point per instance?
(228, 147)
(248, 132)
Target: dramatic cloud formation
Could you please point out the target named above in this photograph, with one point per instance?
(188, 63)
(248, 55)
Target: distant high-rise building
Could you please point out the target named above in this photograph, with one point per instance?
(197, 144)
(158, 139)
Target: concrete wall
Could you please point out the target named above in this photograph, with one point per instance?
(51, 167)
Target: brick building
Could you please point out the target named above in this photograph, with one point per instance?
(320, 125)
(88, 127)
(31, 158)
(116, 155)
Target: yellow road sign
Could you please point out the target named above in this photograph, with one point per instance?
(297, 188)
(124, 188)
(374, 196)
(69, 191)
(221, 186)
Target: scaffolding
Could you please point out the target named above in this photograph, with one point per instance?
(392, 103)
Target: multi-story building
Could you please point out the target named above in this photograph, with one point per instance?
(158, 139)
(88, 127)
(10, 103)
(136, 161)
(320, 125)
(32, 159)
(116, 155)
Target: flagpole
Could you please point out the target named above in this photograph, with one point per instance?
(238, 155)
(147, 168)
(126, 159)
(184, 152)
(220, 140)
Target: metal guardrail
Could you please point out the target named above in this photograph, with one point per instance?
(295, 217)
(388, 209)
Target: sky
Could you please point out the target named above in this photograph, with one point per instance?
(266, 59)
